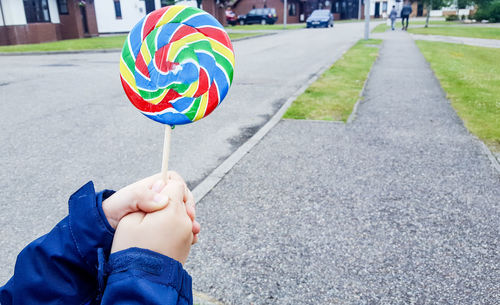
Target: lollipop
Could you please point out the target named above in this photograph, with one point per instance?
(177, 66)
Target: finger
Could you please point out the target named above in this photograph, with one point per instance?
(174, 190)
(148, 181)
(190, 204)
(152, 201)
(191, 213)
(196, 227)
(188, 196)
(172, 175)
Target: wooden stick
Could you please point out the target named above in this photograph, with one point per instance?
(166, 152)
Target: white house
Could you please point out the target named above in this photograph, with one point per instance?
(120, 16)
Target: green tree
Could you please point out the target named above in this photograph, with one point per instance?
(434, 5)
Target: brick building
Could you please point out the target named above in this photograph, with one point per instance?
(34, 21)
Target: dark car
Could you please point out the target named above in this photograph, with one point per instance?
(259, 15)
(320, 18)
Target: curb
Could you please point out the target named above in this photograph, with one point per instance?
(99, 50)
(205, 186)
(352, 116)
(494, 161)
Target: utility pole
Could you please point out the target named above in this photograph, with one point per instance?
(285, 13)
(367, 19)
(359, 10)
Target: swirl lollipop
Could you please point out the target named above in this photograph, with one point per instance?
(176, 66)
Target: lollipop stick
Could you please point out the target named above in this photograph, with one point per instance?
(166, 152)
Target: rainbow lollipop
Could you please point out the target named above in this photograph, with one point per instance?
(177, 66)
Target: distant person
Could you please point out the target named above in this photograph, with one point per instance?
(393, 15)
(405, 15)
(231, 17)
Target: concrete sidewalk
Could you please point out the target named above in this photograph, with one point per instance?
(398, 207)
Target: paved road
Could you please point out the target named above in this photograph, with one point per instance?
(399, 207)
(65, 120)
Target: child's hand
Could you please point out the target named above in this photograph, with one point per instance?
(168, 231)
(145, 195)
(142, 195)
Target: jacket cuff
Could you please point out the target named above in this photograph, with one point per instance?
(88, 225)
(152, 266)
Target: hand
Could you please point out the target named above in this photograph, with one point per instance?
(144, 195)
(168, 231)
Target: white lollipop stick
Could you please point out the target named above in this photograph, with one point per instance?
(166, 152)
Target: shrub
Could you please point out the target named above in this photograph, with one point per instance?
(489, 12)
(451, 18)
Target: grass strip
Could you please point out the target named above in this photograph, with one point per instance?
(471, 78)
(244, 35)
(268, 27)
(432, 23)
(95, 43)
(380, 28)
(333, 95)
(460, 31)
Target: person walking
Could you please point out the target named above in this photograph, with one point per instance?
(405, 15)
(393, 15)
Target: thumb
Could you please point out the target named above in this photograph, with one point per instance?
(154, 202)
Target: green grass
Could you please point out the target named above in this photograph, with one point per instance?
(461, 31)
(243, 35)
(260, 27)
(107, 42)
(433, 22)
(471, 77)
(380, 28)
(384, 27)
(333, 95)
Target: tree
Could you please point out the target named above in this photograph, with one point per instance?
(434, 5)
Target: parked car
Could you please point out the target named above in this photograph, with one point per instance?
(259, 15)
(320, 18)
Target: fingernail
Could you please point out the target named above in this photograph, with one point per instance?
(158, 186)
(160, 199)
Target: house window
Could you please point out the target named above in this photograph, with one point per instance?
(118, 9)
(384, 6)
(292, 11)
(36, 11)
(62, 5)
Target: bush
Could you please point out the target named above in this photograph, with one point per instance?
(489, 12)
(451, 18)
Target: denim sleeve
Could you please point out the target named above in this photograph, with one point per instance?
(140, 276)
(61, 266)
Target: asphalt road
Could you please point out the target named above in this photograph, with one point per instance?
(65, 120)
(401, 206)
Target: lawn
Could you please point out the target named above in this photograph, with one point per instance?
(461, 31)
(264, 27)
(333, 95)
(383, 27)
(471, 77)
(96, 43)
